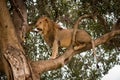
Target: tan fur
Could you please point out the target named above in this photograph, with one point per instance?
(55, 36)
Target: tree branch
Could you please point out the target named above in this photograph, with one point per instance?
(42, 66)
(103, 39)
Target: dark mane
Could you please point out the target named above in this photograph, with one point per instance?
(53, 28)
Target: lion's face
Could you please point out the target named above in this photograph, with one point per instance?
(42, 25)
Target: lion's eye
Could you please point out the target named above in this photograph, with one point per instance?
(40, 22)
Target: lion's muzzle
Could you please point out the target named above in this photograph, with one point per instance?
(37, 30)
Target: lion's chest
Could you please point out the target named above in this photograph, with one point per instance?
(49, 39)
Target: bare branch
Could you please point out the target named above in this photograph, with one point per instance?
(103, 39)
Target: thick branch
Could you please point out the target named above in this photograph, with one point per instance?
(19, 18)
(42, 66)
(103, 39)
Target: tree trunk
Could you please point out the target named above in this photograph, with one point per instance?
(12, 53)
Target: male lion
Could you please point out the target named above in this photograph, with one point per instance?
(55, 36)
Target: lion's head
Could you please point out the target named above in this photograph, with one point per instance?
(44, 25)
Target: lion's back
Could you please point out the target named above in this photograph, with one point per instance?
(64, 37)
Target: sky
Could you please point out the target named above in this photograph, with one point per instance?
(113, 73)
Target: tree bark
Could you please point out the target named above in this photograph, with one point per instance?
(19, 17)
(13, 55)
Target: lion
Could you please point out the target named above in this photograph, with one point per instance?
(56, 37)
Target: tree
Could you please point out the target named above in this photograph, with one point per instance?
(15, 68)
(14, 28)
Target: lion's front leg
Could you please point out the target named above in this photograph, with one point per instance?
(54, 49)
